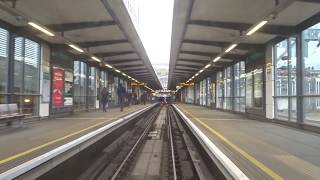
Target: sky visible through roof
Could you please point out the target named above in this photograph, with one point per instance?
(153, 21)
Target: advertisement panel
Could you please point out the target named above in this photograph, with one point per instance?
(57, 87)
(68, 85)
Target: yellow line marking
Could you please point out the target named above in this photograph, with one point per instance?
(11, 158)
(238, 149)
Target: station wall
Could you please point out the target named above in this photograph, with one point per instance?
(47, 81)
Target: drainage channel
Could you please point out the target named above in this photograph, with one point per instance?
(154, 144)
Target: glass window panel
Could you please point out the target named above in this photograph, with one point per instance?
(197, 86)
(76, 84)
(92, 81)
(209, 95)
(236, 85)
(293, 110)
(26, 66)
(242, 79)
(18, 64)
(282, 108)
(4, 45)
(311, 59)
(27, 104)
(204, 82)
(249, 89)
(3, 99)
(312, 109)
(220, 90)
(4, 42)
(281, 68)
(293, 66)
(311, 73)
(285, 79)
(258, 87)
(31, 67)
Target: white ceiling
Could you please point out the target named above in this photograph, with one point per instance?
(62, 11)
(229, 10)
(112, 48)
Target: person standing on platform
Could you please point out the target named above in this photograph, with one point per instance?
(143, 98)
(121, 94)
(104, 99)
(135, 98)
(129, 96)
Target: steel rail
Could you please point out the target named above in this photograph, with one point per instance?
(145, 132)
(172, 146)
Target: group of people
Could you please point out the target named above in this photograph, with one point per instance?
(124, 98)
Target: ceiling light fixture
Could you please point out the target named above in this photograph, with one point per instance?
(256, 28)
(96, 59)
(108, 66)
(40, 28)
(207, 66)
(117, 70)
(217, 59)
(231, 47)
(76, 48)
(201, 71)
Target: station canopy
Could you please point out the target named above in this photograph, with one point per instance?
(204, 29)
(102, 28)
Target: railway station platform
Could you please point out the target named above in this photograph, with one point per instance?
(19, 145)
(262, 150)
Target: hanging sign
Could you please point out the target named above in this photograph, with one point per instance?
(137, 84)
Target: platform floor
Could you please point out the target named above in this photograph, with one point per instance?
(18, 145)
(261, 150)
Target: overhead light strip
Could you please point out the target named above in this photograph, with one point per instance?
(256, 28)
(217, 59)
(108, 66)
(40, 28)
(230, 48)
(95, 58)
(76, 48)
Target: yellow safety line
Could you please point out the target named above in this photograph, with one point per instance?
(238, 149)
(55, 141)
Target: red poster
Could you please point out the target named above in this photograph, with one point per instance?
(57, 86)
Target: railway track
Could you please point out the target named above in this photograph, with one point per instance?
(155, 144)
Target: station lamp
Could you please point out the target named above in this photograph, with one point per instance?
(217, 59)
(40, 28)
(107, 65)
(76, 48)
(257, 27)
(95, 58)
(207, 66)
(230, 48)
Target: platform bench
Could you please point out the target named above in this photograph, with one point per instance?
(10, 113)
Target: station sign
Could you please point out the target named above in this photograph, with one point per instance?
(137, 84)
(186, 84)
